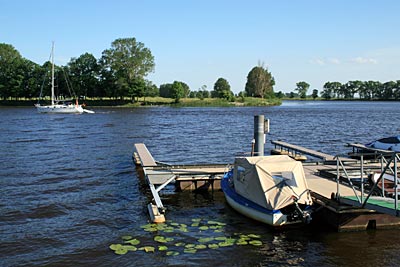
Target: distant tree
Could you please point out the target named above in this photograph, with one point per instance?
(260, 82)
(177, 91)
(165, 90)
(11, 77)
(223, 89)
(302, 88)
(84, 73)
(279, 94)
(314, 94)
(128, 60)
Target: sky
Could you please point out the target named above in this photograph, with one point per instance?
(199, 41)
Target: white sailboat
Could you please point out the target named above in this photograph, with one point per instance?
(58, 106)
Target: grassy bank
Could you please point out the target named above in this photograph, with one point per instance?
(160, 101)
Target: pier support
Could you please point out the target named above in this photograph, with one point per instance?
(259, 135)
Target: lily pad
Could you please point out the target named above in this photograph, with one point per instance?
(196, 220)
(121, 251)
(213, 246)
(115, 246)
(169, 239)
(224, 244)
(255, 242)
(200, 246)
(195, 224)
(190, 246)
(180, 244)
(162, 248)
(160, 239)
(133, 242)
(254, 236)
(147, 249)
(130, 248)
(126, 237)
(190, 250)
(221, 238)
(172, 253)
(204, 228)
(241, 242)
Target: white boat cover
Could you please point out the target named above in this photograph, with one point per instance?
(271, 181)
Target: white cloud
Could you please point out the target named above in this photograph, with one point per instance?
(363, 60)
(317, 61)
(334, 61)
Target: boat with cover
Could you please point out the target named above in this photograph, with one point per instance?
(58, 106)
(389, 143)
(269, 189)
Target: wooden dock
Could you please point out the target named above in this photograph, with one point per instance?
(337, 203)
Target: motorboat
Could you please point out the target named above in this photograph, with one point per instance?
(269, 189)
(389, 143)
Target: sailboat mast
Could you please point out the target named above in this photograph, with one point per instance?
(52, 74)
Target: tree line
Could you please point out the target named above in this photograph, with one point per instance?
(120, 72)
(364, 90)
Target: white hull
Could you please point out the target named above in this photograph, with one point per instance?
(276, 219)
(68, 109)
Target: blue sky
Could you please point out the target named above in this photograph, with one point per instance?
(198, 42)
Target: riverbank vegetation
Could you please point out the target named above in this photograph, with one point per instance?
(118, 78)
(352, 90)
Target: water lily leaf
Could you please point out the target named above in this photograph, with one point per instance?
(212, 222)
(213, 246)
(121, 250)
(169, 239)
(160, 239)
(244, 237)
(162, 248)
(189, 246)
(126, 237)
(225, 244)
(221, 238)
(147, 249)
(200, 246)
(196, 220)
(190, 250)
(255, 242)
(150, 229)
(241, 242)
(203, 228)
(180, 244)
(150, 225)
(218, 231)
(195, 224)
(254, 236)
(130, 248)
(168, 230)
(205, 239)
(115, 246)
(175, 224)
(133, 242)
(172, 253)
(183, 229)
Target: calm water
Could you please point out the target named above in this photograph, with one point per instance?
(68, 187)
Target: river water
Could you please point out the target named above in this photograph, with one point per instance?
(68, 187)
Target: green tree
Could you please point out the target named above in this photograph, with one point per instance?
(302, 88)
(11, 75)
(260, 82)
(223, 89)
(84, 73)
(314, 94)
(128, 60)
(177, 91)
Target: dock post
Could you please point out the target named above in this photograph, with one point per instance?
(259, 135)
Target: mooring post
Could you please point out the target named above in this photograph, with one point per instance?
(259, 132)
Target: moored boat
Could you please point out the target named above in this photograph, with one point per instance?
(269, 189)
(389, 143)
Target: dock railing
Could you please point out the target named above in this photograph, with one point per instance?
(389, 164)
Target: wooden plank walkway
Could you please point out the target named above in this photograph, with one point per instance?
(145, 157)
(325, 157)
